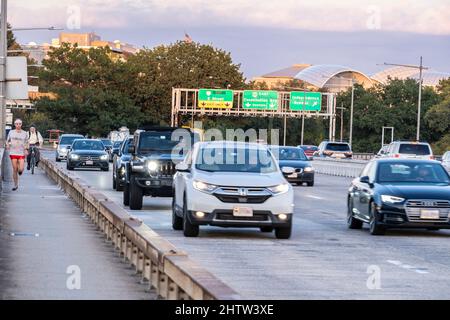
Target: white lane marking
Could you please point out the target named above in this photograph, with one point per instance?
(407, 266)
(314, 197)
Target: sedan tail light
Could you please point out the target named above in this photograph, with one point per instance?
(396, 155)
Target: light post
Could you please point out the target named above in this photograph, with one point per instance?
(419, 103)
(342, 119)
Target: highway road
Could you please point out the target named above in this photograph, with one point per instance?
(322, 260)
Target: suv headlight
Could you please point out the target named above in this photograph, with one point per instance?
(309, 169)
(152, 166)
(279, 189)
(204, 187)
(104, 157)
(74, 157)
(391, 199)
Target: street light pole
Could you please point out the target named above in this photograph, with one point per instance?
(350, 139)
(419, 103)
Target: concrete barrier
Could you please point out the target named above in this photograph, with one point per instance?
(339, 167)
(168, 270)
(2, 151)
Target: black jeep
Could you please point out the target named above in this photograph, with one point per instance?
(154, 153)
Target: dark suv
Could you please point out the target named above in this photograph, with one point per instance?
(154, 153)
(334, 149)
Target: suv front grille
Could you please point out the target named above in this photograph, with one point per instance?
(257, 217)
(87, 158)
(413, 209)
(242, 195)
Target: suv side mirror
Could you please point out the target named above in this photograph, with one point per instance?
(182, 167)
(131, 149)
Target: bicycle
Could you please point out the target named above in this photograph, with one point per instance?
(32, 158)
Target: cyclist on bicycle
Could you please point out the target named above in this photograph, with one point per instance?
(17, 145)
(34, 140)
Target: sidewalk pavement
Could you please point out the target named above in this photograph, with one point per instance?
(48, 248)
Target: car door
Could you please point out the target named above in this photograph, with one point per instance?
(366, 193)
(181, 179)
(360, 192)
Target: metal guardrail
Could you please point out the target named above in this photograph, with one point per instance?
(168, 270)
(339, 167)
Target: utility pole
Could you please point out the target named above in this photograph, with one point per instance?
(351, 114)
(419, 103)
(3, 53)
(342, 119)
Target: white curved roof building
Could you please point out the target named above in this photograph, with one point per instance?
(430, 77)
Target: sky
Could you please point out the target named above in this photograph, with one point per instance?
(262, 35)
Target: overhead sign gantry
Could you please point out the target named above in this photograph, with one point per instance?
(254, 103)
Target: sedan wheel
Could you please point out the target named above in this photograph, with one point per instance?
(177, 222)
(375, 228)
(352, 222)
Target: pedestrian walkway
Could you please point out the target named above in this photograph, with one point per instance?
(48, 248)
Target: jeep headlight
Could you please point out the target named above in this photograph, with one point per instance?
(279, 189)
(152, 166)
(104, 157)
(309, 169)
(391, 199)
(204, 187)
(74, 157)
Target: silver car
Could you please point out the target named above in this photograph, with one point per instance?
(446, 161)
(64, 141)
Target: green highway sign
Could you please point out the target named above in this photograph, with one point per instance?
(215, 98)
(262, 100)
(308, 101)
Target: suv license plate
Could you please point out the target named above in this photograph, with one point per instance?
(242, 212)
(89, 163)
(429, 214)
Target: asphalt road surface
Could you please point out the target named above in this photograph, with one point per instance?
(322, 260)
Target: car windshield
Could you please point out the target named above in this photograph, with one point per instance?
(235, 159)
(68, 140)
(412, 172)
(107, 142)
(117, 144)
(289, 154)
(417, 149)
(126, 145)
(88, 145)
(162, 141)
(338, 147)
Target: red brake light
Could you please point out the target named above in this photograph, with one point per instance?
(396, 155)
(432, 158)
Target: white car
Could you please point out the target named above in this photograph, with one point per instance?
(446, 161)
(410, 150)
(232, 184)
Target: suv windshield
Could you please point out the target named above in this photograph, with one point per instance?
(338, 147)
(107, 142)
(126, 144)
(68, 140)
(238, 159)
(160, 141)
(412, 172)
(289, 154)
(417, 149)
(88, 145)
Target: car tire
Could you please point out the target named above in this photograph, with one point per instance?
(352, 222)
(189, 229)
(310, 184)
(283, 232)
(266, 229)
(374, 226)
(126, 194)
(105, 169)
(69, 167)
(57, 159)
(177, 222)
(114, 182)
(299, 183)
(119, 186)
(136, 195)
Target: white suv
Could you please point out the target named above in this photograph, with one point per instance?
(410, 149)
(232, 184)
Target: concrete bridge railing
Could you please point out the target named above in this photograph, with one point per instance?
(168, 270)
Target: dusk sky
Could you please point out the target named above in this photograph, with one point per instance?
(262, 35)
